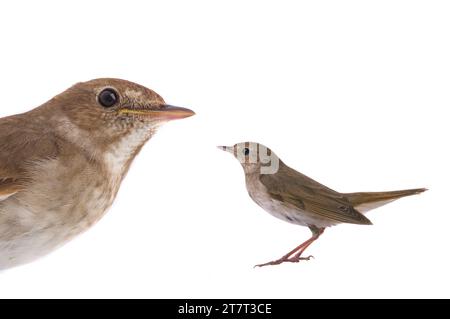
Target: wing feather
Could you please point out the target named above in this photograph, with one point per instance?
(8, 187)
(21, 142)
(306, 194)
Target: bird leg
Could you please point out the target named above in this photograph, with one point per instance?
(297, 252)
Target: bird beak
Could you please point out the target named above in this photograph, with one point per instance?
(165, 113)
(170, 112)
(229, 149)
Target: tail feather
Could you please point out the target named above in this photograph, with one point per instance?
(364, 202)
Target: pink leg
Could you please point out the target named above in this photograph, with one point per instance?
(297, 251)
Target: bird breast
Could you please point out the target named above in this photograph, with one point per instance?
(53, 208)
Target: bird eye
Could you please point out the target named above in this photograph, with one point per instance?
(108, 97)
(246, 151)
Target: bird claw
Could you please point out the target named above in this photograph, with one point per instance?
(270, 263)
(294, 259)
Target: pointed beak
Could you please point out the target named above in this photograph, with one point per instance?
(228, 149)
(170, 112)
(165, 113)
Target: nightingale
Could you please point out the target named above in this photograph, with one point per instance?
(295, 198)
(62, 163)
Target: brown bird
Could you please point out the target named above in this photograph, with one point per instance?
(61, 164)
(298, 199)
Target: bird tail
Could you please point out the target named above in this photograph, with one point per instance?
(364, 202)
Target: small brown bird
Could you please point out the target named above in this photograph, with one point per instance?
(61, 164)
(296, 198)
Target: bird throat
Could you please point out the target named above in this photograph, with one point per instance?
(121, 153)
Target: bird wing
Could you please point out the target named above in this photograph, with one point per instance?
(290, 186)
(21, 143)
(8, 186)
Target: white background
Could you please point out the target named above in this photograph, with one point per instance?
(352, 93)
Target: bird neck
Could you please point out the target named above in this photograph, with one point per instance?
(113, 151)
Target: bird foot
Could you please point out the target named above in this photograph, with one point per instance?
(294, 259)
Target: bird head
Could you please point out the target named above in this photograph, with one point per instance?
(109, 116)
(118, 104)
(254, 157)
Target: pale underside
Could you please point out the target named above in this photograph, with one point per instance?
(365, 207)
(62, 198)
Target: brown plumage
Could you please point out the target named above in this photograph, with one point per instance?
(298, 199)
(61, 164)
